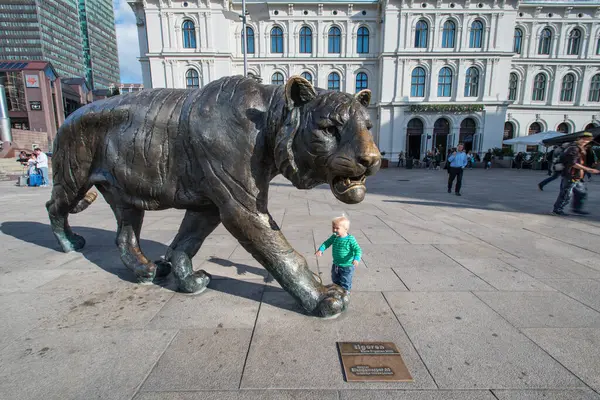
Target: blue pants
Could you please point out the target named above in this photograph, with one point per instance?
(568, 186)
(554, 176)
(45, 179)
(342, 276)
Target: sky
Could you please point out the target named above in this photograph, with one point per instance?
(127, 43)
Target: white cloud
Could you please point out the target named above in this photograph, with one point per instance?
(127, 43)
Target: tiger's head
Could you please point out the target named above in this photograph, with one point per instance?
(326, 138)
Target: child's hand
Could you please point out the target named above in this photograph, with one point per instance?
(319, 253)
(355, 263)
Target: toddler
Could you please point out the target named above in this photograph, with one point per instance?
(346, 253)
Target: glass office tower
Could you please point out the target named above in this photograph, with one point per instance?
(97, 21)
(76, 36)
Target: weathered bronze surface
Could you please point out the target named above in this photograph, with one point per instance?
(213, 152)
(373, 361)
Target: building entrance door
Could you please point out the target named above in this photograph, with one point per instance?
(467, 133)
(414, 132)
(441, 130)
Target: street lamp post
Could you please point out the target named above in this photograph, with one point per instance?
(244, 39)
(258, 12)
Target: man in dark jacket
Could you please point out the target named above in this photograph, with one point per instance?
(573, 160)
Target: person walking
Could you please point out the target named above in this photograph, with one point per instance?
(487, 159)
(401, 159)
(458, 162)
(572, 176)
(555, 166)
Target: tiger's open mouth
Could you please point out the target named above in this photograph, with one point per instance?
(349, 189)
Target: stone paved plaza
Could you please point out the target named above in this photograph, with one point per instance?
(484, 295)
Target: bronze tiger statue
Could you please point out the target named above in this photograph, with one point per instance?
(213, 152)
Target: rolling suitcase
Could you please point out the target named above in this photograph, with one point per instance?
(35, 180)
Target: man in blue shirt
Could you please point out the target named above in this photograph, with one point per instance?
(458, 161)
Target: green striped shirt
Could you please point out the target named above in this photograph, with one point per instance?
(344, 250)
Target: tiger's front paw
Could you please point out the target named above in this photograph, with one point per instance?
(333, 302)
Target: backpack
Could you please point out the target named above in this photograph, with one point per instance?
(558, 160)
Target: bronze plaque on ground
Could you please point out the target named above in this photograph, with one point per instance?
(373, 361)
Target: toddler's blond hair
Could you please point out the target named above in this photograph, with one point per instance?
(341, 221)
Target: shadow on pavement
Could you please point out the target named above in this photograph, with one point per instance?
(101, 250)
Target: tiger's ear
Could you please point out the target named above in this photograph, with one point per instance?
(298, 91)
(363, 97)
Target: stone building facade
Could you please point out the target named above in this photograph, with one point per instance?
(441, 71)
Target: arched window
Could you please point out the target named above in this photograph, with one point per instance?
(189, 35)
(509, 131)
(513, 85)
(598, 47)
(590, 126)
(448, 33)
(534, 128)
(362, 40)
(307, 76)
(518, 41)
(277, 78)
(562, 128)
(476, 38)
(539, 88)
(472, 82)
(445, 82)
(192, 80)
(421, 34)
(362, 81)
(334, 39)
(333, 81)
(415, 127)
(566, 91)
(574, 42)
(441, 127)
(594, 94)
(545, 41)
(249, 40)
(417, 82)
(466, 133)
(276, 40)
(305, 40)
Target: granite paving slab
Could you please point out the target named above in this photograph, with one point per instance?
(501, 275)
(22, 312)
(472, 250)
(214, 360)
(593, 263)
(226, 303)
(311, 360)
(124, 308)
(70, 364)
(242, 395)
(432, 278)
(467, 346)
(552, 268)
(584, 290)
(371, 279)
(541, 309)
(15, 280)
(570, 236)
(578, 349)
(92, 280)
(416, 395)
(241, 269)
(546, 395)
(405, 255)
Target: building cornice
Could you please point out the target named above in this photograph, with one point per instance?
(564, 108)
